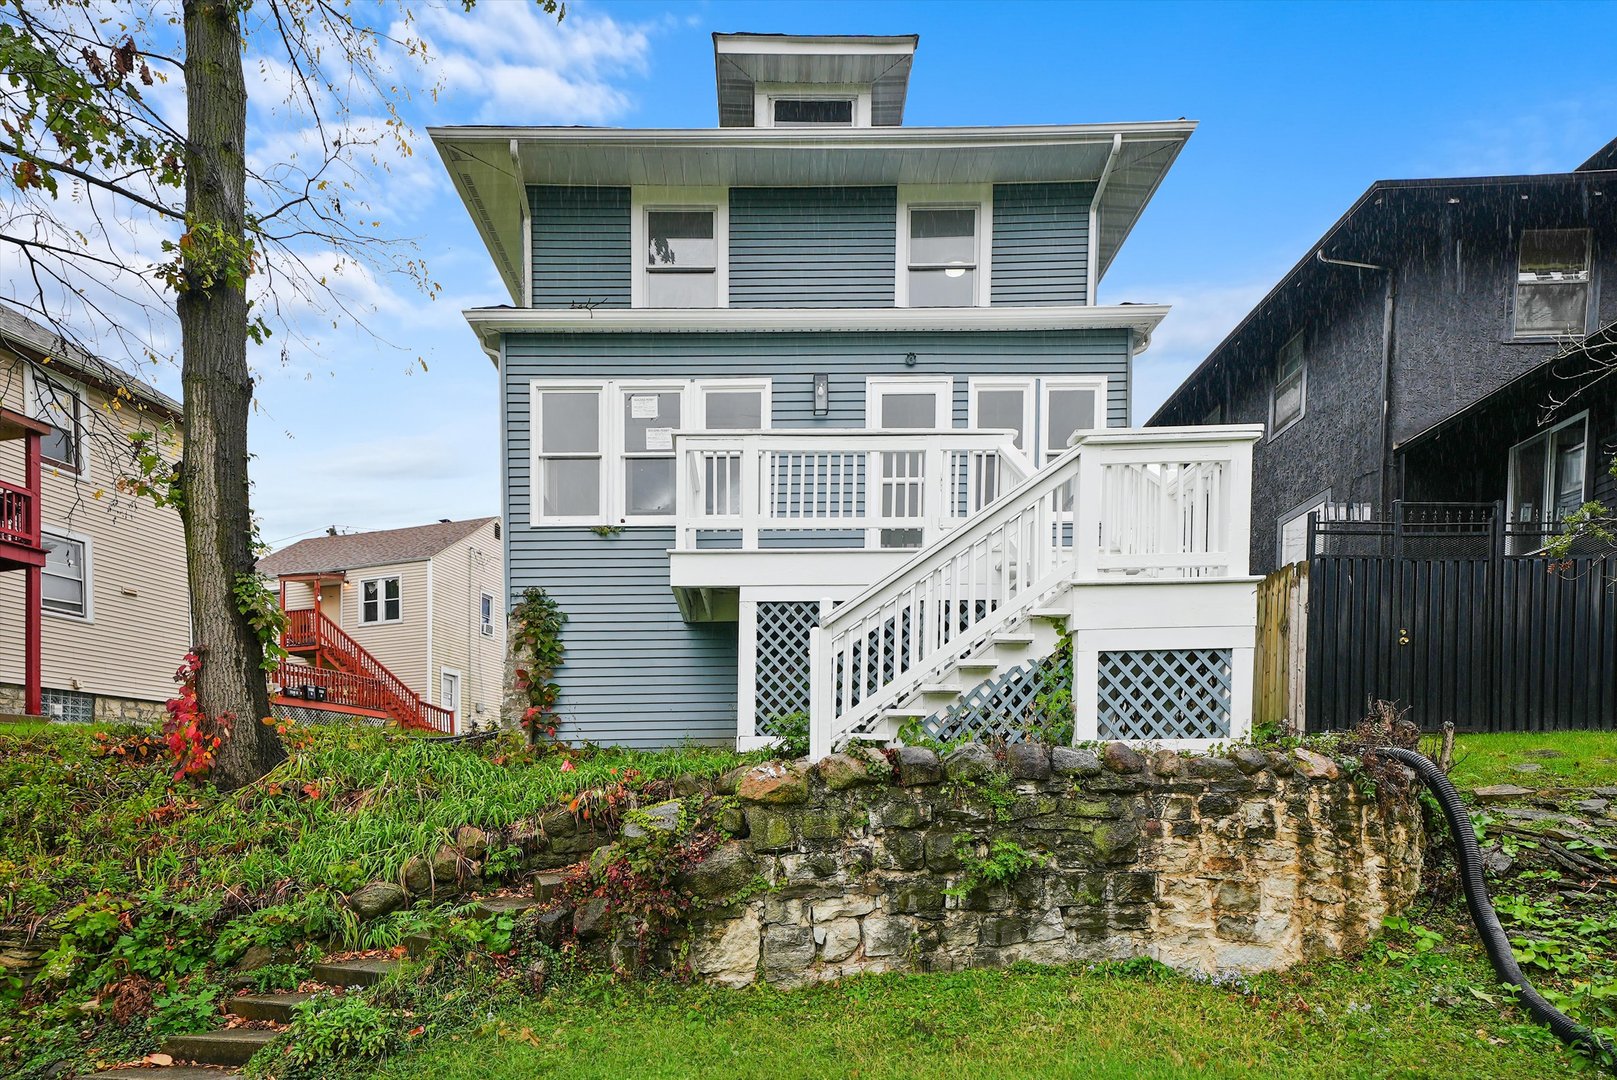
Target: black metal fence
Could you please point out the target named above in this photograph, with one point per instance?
(1446, 609)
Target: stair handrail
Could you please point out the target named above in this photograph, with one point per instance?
(328, 632)
(830, 724)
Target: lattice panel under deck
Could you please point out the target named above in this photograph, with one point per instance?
(1160, 694)
(782, 662)
(1005, 707)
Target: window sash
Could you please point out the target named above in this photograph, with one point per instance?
(553, 462)
(940, 260)
(1552, 282)
(61, 407)
(688, 237)
(1288, 400)
(381, 600)
(1548, 473)
(807, 104)
(64, 585)
(486, 611)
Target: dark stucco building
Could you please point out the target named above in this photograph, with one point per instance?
(1431, 347)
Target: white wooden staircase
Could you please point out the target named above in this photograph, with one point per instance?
(1166, 508)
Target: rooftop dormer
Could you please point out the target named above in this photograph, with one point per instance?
(818, 81)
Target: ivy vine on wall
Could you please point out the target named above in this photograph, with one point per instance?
(538, 620)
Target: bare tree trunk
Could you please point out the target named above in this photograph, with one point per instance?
(231, 687)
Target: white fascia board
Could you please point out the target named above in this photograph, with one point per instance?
(1142, 318)
(768, 45)
(874, 138)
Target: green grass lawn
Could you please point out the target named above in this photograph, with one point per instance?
(1395, 1018)
(1589, 759)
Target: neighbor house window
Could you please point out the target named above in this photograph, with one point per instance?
(942, 256)
(1291, 386)
(568, 456)
(62, 407)
(813, 112)
(1552, 282)
(379, 600)
(66, 576)
(1547, 474)
(486, 616)
(681, 259)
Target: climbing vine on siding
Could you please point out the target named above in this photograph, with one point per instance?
(538, 620)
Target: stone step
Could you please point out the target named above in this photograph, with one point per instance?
(547, 885)
(354, 972)
(418, 946)
(276, 1008)
(167, 1072)
(227, 1046)
(495, 906)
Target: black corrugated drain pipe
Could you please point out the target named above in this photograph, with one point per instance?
(1493, 936)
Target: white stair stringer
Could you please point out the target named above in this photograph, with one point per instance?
(960, 611)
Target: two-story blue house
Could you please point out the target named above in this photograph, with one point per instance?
(812, 412)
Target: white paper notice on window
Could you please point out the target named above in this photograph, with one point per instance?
(643, 406)
(660, 438)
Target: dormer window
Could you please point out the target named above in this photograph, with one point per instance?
(681, 259)
(813, 112)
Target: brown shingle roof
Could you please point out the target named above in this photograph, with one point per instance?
(381, 548)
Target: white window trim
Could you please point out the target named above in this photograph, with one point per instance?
(381, 599)
(764, 96)
(89, 576)
(1274, 388)
(1547, 491)
(701, 387)
(942, 196)
(460, 688)
(609, 396)
(644, 199)
(1047, 383)
(1320, 501)
(1589, 297)
(1026, 385)
(537, 456)
(940, 385)
(33, 404)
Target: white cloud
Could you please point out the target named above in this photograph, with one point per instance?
(1200, 319)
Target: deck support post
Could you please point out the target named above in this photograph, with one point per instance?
(33, 592)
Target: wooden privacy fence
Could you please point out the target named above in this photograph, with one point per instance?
(1282, 648)
(1434, 610)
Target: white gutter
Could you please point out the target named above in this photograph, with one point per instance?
(828, 138)
(1090, 284)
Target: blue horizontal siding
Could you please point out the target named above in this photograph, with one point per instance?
(580, 246)
(635, 673)
(812, 247)
(1041, 244)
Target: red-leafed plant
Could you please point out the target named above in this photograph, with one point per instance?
(193, 739)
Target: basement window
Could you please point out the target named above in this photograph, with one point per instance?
(1287, 403)
(1552, 283)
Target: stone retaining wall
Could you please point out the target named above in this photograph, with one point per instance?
(875, 862)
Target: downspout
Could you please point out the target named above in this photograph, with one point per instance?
(1389, 303)
(1094, 218)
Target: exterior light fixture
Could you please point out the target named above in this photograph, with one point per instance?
(822, 395)
(909, 359)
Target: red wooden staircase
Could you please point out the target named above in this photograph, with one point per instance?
(344, 677)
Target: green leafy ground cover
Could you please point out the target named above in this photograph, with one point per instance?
(160, 887)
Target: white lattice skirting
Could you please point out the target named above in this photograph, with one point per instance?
(783, 660)
(1164, 694)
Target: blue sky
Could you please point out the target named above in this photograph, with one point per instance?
(1301, 107)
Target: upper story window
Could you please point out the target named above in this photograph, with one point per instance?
(681, 259)
(812, 112)
(380, 600)
(1552, 282)
(567, 480)
(485, 616)
(942, 256)
(1287, 402)
(61, 405)
(65, 580)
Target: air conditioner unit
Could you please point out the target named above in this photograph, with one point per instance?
(488, 629)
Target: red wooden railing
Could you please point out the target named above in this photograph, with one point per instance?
(309, 629)
(353, 691)
(16, 522)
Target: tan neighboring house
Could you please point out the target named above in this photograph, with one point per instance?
(401, 625)
(110, 618)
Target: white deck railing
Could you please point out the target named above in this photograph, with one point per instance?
(1169, 503)
(836, 489)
